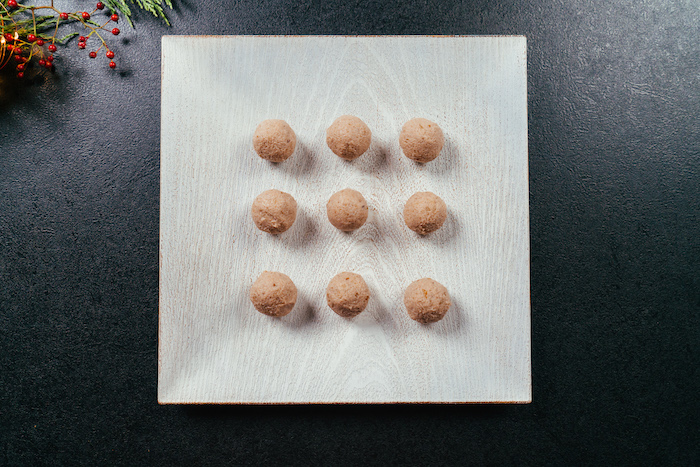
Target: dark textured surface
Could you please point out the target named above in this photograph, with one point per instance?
(614, 108)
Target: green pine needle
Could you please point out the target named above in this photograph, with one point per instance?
(155, 7)
(65, 38)
(46, 22)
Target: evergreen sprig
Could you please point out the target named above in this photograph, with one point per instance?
(155, 7)
(28, 36)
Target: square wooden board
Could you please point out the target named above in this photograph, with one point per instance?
(215, 348)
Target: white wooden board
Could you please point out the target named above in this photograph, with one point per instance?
(215, 348)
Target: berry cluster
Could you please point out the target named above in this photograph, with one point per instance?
(24, 40)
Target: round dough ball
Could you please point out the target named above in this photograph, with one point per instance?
(421, 140)
(347, 294)
(424, 212)
(426, 301)
(274, 211)
(273, 294)
(274, 140)
(347, 210)
(348, 137)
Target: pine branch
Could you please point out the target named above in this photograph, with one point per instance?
(30, 36)
(155, 7)
(65, 38)
(43, 22)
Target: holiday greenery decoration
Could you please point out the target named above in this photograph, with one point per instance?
(30, 33)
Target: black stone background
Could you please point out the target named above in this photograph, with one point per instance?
(614, 138)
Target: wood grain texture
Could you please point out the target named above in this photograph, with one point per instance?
(215, 348)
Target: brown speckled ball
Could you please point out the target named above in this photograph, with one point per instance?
(273, 294)
(348, 137)
(274, 211)
(274, 140)
(426, 300)
(347, 210)
(425, 212)
(421, 140)
(347, 294)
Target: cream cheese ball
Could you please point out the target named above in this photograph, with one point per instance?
(421, 140)
(274, 140)
(426, 301)
(347, 210)
(347, 294)
(273, 294)
(274, 211)
(348, 137)
(424, 212)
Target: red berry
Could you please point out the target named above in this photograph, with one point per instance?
(115, 31)
(20, 75)
(52, 48)
(81, 45)
(49, 59)
(12, 3)
(86, 15)
(63, 16)
(100, 6)
(19, 58)
(20, 67)
(18, 50)
(82, 39)
(110, 54)
(93, 54)
(114, 17)
(40, 42)
(42, 62)
(31, 37)
(49, 65)
(112, 65)
(8, 37)
(10, 47)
